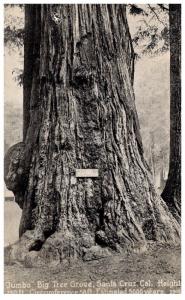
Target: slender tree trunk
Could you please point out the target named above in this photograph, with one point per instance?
(82, 115)
(172, 191)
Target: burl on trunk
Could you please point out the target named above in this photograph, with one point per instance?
(80, 114)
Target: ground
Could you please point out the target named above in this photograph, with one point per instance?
(155, 271)
(12, 215)
(157, 267)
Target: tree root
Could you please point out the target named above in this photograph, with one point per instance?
(63, 249)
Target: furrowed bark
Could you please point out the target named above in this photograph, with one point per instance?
(83, 115)
(31, 57)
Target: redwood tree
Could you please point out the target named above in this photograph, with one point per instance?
(172, 191)
(80, 113)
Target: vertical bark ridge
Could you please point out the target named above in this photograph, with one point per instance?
(88, 119)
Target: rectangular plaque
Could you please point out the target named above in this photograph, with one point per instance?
(87, 173)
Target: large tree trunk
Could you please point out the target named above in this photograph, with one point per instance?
(82, 115)
(172, 191)
(31, 56)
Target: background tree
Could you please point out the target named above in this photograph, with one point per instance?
(172, 191)
(82, 115)
(170, 36)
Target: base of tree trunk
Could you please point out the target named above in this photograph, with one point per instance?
(83, 116)
(96, 227)
(63, 248)
(172, 197)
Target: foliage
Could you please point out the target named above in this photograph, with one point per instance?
(13, 37)
(13, 27)
(18, 76)
(136, 10)
(14, 34)
(151, 36)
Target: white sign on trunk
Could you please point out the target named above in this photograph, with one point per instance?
(87, 173)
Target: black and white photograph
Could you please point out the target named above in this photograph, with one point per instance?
(92, 148)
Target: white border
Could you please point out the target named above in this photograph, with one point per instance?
(2, 143)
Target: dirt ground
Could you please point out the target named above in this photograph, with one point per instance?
(155, 271)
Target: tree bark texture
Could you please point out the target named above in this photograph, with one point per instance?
(172, 191)
(31, 56)
(83, 115)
